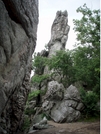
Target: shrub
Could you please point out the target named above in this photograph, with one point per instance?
(33, 94)
(90, 100)
(29, 111)
(26, 124)
(39, 78)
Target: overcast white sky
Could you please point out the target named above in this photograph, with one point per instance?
(47, 12)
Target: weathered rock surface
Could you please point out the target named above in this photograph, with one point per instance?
(42, 124)
(59, 32)
(18, 28)
(54, 90)
(61, 103)
(59, 35)
(66, 109)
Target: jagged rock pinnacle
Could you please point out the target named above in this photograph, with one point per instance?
(59, 32)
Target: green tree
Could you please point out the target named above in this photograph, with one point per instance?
(88, 27)
(87, 54)
(90, 100)
(62, 63)
(38, 64)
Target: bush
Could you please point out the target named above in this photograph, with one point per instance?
(34, 94)
(29, 111)
(26, 124)
(39, 78)
(90, 100)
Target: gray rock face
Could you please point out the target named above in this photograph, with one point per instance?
(59, 32)
(65, 110)
(55, 90)
(18, 27)
(64, 113)
(59, 35)
(71, 93)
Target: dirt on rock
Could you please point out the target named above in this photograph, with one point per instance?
(71, 128)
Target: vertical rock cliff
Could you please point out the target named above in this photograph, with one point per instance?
(18, 28)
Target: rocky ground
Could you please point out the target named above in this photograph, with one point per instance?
(71, 128)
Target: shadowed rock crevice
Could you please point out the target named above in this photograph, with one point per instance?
(11, 11)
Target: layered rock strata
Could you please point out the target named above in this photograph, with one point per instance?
(18, 28)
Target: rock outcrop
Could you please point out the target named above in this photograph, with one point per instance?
(18, 28)
(67, 110)
(59, 33)
(61, 103)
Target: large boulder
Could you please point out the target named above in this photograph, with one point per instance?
(65, 112)
(18, 28)
(55, 90)
(55, 93)
(68, 109)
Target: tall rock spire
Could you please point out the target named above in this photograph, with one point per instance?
(59, 32)
(59, 35)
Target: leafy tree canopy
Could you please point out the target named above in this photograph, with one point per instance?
(87, 54)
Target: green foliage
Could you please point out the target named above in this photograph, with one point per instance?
(88, 27)
(38, 63)
(87, 55)
(89, 119)
(39, 78)
(29, 111)
(82, 63)
(26, 124)
(90, 100)
(62, 63)
(85, 68)
(33, 94)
